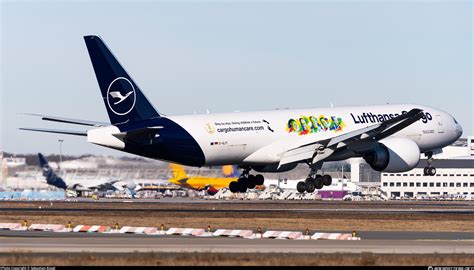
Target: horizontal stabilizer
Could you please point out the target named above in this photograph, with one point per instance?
(69, 120)
(59, 131)
(147, 132)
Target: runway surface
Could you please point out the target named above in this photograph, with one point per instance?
(196, 200)
(177, 210)
(229, 245)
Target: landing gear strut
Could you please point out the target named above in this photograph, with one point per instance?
(314, 181)
(246, 181)
(429, 170)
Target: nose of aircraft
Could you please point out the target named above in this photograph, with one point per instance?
(458, 128)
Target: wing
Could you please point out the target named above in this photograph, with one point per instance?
(359, 141)
(69, 120)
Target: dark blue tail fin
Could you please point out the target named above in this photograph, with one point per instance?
(124, 101)
(42, 160)
(48, 173)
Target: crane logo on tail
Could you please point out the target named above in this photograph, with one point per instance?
(117, 94)
(121, 96)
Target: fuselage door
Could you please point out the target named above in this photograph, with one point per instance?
(439, 120)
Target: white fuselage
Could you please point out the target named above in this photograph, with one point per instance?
(244, 137)
(261, 137)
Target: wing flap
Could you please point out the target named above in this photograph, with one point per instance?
(297, 154)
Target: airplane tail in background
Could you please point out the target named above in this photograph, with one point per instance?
(178, 171)
(43, 163)
(231, 171)
(124, 101)
(48, 173)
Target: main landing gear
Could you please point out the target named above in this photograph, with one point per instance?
(313, 181)
(429, 170)
(246, 181)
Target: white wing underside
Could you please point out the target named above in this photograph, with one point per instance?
(307, 152)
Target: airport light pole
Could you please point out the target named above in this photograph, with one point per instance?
(342, 179)
(60, 153)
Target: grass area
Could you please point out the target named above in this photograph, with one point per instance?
(361, 222)
(223, 259)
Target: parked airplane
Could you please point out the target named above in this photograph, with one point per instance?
(198, 182)
(389, 137)
(80, 186)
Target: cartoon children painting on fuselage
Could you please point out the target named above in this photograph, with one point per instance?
(293, 126)
(305, 129)
(315, 126)
(312, 124)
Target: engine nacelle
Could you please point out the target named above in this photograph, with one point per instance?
(394, 155)
(274, 168)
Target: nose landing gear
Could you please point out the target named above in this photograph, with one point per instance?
(429, 170)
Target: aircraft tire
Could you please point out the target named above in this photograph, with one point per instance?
(242, 187)
(301, 187)
(250, 182)
(425, 171)
(234, 187)
(259, 179)
(327, 180)
(319, 183)
(310, 187)
(431, 171)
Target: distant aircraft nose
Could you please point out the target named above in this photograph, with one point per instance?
(459, 130)
(457, 127)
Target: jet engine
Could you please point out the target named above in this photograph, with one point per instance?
(274, 168)
(394, 155)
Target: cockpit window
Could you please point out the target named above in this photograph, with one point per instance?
(456, 122)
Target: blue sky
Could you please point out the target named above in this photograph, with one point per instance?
(191, 56)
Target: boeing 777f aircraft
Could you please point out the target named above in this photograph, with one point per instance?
(389, 137)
